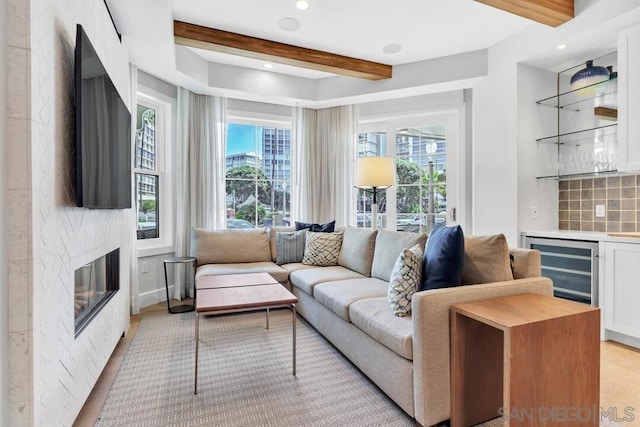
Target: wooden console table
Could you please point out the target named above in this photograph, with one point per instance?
(534, 359)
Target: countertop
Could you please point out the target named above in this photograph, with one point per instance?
(592, 236)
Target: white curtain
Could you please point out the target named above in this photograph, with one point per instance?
(304, 131)
(200, 165)
(326, 141)
(134, 282)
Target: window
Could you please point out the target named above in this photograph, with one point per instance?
(421, 194)
(423, 160)
(151, 170)
(258, 175)
(146, 175)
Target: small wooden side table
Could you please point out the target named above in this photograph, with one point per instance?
(189, 260)
(534, 359)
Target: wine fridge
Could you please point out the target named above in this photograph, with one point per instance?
(572, 265)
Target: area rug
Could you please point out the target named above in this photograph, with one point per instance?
(244, 377)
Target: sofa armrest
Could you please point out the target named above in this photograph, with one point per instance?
(431, 335)
(526, 263)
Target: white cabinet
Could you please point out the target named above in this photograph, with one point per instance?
(622, 292)
(629, 99)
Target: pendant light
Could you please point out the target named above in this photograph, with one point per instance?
(583, 80)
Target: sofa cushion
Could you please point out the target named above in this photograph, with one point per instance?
(389, 244)
(294, 266)
(306, 279)
(405, 279)
(372, 316)
(486, 260)
(273, 239)
(329, 227)
(290, 246)
(278, 273)
(322, 249)
(357, 249)
(443, 258)
(338, 296)
(229, 246)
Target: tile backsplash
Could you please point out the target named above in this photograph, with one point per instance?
(619, 195)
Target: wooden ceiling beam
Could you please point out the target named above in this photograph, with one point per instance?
(192, 35)
(548, 12)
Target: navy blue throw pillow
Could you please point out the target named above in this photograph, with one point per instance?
(329, 227)
(443, 258)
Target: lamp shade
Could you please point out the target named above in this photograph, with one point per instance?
(379, 172)
(584, 79)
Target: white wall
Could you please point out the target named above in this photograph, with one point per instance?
(494, 149)
(52, 372)
(151, 279)
(535, 121)
(4, 317)
(65, 237)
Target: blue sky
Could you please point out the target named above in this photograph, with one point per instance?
(241, 138)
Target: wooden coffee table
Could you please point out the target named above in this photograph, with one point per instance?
(241, 292)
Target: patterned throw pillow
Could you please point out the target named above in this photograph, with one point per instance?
(405, 279)
(290, 246)
(322, 249)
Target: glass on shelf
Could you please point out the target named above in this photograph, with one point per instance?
(582, 162)
(586, 152)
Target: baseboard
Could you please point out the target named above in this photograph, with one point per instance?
(622, 338)
(155, 296)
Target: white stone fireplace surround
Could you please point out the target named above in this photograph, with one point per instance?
(51, 372)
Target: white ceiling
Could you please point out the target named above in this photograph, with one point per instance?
(426, 29)
(358, 28)
(361, 28)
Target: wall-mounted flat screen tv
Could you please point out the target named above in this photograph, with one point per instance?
(103, 134)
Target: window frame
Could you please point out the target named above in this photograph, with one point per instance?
(265, 120)
(456, 173)
(164, 107)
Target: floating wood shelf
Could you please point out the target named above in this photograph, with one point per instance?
(606, 113)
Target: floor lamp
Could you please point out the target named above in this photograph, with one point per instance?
(373, 174)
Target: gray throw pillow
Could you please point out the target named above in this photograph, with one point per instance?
(290, 246)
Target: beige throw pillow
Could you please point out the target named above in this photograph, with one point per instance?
(486, 260)
(322, 249)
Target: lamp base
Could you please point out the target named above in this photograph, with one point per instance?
(374, 216)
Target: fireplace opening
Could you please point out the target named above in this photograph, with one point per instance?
(95, 284)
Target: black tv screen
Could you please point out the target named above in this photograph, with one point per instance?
(103, 134)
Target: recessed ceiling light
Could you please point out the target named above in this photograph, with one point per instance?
(562, 46)
(289, 24)
(268, 66)
(302, 4)
(392, 48)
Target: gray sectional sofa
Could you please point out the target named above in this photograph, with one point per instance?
(407, 357)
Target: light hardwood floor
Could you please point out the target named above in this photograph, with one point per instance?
(619, 377)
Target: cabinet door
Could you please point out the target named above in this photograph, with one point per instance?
(629, 99)
(621, 288)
